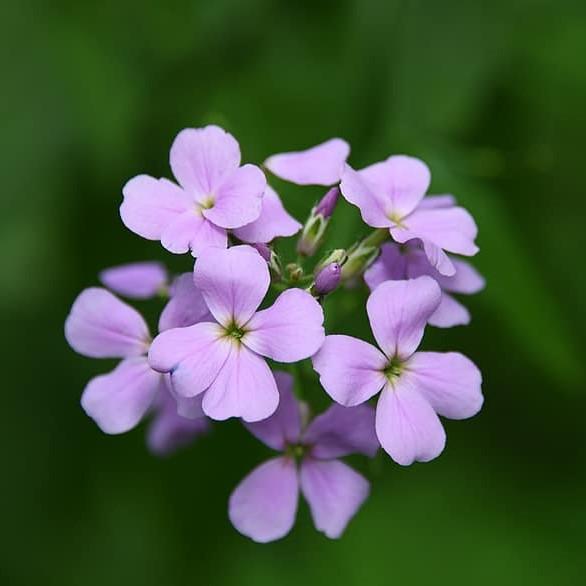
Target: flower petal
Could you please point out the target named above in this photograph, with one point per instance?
(186, 306)
(264, 505)
(150, 205)
(284, 425)
(191, 231)
(233, 282)
(99, 325)
(359, 191)
(288, 331)
(401, 180)
(391, 265)
(407, 426)
(137, 280)
(467, 279)
(202, 158)
(437, 201)
(238, 200)
(192, 355)
(334, 492)
(449, 313)
(350, 370)
(398, 312)
(245, 387)
(449, 381)
(318, 165)
(341, 431)
(274, 221)
(119, 400)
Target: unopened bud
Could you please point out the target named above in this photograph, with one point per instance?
(327, 204)
(314, 229)
(327, 279)
(338, 255)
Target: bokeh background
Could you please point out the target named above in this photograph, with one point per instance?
(490, 94)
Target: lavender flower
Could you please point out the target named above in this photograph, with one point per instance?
(138, 280)
(416, 386)
(214, 194)
(390, 195)
(224, 358)
(264, 505)
(408, 261)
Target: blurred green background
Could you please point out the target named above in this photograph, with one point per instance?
(490, 94)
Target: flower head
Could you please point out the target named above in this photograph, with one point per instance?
(225, 358)
(214, 194)
(416, 386)
(409, 261)
(391, 195)
(264, 505)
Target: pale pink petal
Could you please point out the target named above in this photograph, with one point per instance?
(449, 313)
(350, 370)
(288, 331)
(99, 325)
(341, 431)
(150, 205)
(137, 280)
(245, 387)
(192, 355)
(233, 282)
(437, 201)
(118, 401)
(401, 180)
(372, 205)
(238, 200)
(391, 265)
(407, 426)
(284, 425)
(264, 505)
(438, 259)
(449, 381)
(318, 165)
(398, 312)
(202, 158)
(467, 279)
(274, 221)
(188, 407)
(334, 492)
(186, 306)
(191, 231)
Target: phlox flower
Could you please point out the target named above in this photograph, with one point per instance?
(415, 387)
(137, 280)
(409, 261)
(224, 358)
(214, 194)
(264, 505)
(390, 194)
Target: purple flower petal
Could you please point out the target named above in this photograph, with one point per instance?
(99, 325)
(264, 505)
(391, 265)
(372, 205)
(284, 425)
(288, 331)
(449, 381)
(238, 200)
(186, 306)
(118, 401)
(449, 313)
(138, 280)
(233, 283)
(202, 158)
(341, 431)
(467, 279)
(437, 201)
(401, 181)
(350, 370)
(191, 231)
(398, 312)
(407, 426)
(274, 221)
(193, 356)
(334, 492)
(150, 205)
(245, 387)
(187, 407)
(318, 165)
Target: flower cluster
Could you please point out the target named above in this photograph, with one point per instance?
(243, 308)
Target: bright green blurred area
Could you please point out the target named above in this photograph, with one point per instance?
(490, 94)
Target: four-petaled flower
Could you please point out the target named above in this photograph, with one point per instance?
(224, 358)
(416, 386)
(264, 505)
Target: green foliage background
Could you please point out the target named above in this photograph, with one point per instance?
(491, 94)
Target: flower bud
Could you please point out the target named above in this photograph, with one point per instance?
(314, 229)
(338, 255)
(327, 279)
(327, 204)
